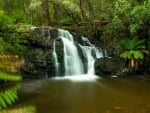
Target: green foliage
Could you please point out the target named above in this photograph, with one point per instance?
(140, 17)
(66, 19)
(15, 10)
(2, 45)
(4, 20)
(121, 7)
(9, 96)
(13, 44)
(132, 44)
(129, 54)
(13, 40)
(35, 4)
(70, 4)
(10, 77)
(133, 50)
(140, 13)
(117, 23)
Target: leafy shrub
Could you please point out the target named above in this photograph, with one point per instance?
(4, 20)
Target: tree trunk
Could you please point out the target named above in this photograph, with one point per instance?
(56, 7)
(132, 62)
(82, 10)
(46, 16)
(90, 7)
(136, 65)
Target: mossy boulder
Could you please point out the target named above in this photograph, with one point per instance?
(106, 66)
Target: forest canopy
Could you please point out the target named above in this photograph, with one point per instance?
(45, 12)
(125, 18)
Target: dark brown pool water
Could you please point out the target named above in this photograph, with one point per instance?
(103, 95)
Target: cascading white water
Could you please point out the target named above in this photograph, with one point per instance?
(90, 59)
(90, 53)
(55, 60)
(72, 61)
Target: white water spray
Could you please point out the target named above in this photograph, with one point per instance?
(72, 61)
(90, 53)
(56, 63)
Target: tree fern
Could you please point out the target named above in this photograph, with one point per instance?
(138, 55)
(132, 44)
(133, 50)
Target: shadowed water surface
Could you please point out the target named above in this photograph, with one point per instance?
(102, 95)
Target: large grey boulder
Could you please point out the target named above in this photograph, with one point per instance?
(109, 66)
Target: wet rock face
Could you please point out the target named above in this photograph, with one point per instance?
(39, 59)
(38, 63)
(109, 66)
(42, 37)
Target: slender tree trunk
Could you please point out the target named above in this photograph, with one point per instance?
(46, 15)
(82, 10)
(131, 62)
(55, 6)
(136, 65)
(90, 7)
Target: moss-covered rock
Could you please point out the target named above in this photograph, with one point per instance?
(109, 66)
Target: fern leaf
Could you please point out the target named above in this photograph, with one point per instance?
(10, 96)
(14, 94)
(2, 102)
(6, 98)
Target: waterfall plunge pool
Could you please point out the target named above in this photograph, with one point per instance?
(78, 78)
(101, 95)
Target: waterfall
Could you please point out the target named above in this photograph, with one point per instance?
(90, 53)
(56, 63)
(73, 63)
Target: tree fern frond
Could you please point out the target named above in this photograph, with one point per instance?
(139, 43)
(126, 55)
(140, 47)
(132, 44)
(124, 42)
(138, 55)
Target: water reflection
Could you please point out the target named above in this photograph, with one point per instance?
(104, 95)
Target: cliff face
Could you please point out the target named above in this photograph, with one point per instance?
(40, 63)
(39, 60)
